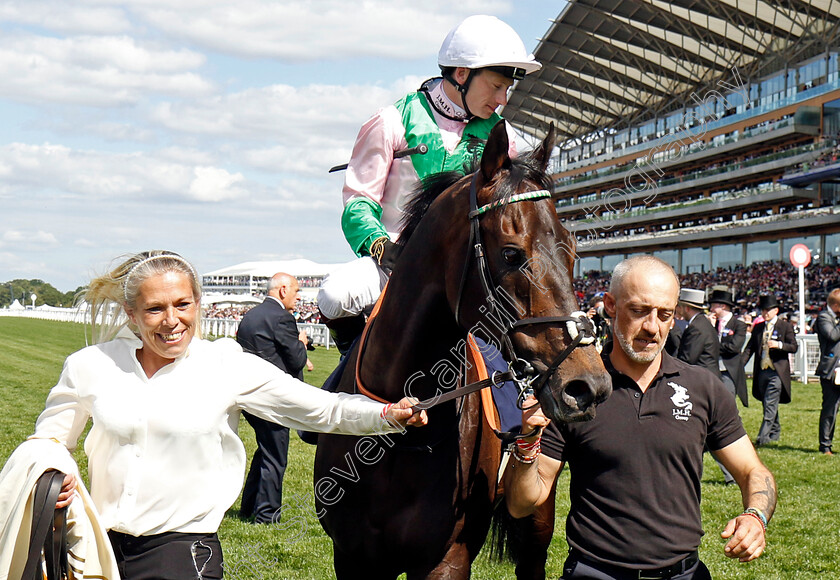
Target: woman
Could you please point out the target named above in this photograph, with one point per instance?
(165, 461)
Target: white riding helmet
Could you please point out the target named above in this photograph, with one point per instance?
(485, 41)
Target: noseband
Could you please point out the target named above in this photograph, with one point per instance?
(578, 325)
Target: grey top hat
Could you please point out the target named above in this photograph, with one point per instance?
(692, 297)
(721, 297)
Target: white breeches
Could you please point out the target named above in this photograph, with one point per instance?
(351, 289)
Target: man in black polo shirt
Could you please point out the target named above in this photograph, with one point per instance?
(636, 467)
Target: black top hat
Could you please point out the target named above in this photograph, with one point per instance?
(767, 302)
(721, 297)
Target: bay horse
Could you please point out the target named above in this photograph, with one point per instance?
(484, 253)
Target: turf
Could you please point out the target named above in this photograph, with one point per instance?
(803, 537)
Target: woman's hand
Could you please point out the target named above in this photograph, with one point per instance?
(402, 414)
(68, 487)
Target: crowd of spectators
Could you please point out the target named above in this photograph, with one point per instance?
(748, 283)
(305, 311)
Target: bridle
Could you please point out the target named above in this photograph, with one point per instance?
(578, 325)
(520, 371)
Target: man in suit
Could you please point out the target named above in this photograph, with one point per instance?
(732, 334)
(771, 342)
(828, 333)
(270, 332)
(699, 343)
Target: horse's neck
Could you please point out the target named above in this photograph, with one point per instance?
(412, 343)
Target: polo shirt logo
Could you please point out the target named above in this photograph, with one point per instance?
(682, 410)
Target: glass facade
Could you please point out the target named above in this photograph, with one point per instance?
(608, 263)
(832, 250)
(695, 260)
(670, 256)
(762, 251)
(588, 264)
(813, 243)
(727, 256)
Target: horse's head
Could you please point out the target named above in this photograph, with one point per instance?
(515, 284)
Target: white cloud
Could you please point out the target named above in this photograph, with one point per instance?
(214, 184)
(63, 16)
(295, 31)
(21, 238)
(95, 71)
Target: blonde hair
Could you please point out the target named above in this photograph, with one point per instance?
(109, 294)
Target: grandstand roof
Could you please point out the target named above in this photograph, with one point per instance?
(614, 63)
(298, 268)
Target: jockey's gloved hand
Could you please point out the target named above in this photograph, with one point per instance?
(385, 252)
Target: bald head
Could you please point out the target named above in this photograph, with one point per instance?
(285, 288)
(644, 264)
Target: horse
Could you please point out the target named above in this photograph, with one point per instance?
(484, 253)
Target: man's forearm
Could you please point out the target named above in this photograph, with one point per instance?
(760, 491)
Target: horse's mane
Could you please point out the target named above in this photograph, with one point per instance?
(522, 168)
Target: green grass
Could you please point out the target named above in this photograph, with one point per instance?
(802, 538)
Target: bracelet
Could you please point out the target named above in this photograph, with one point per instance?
(757, 512)
(753, 514)
(530, 458)
(524, 446)
(386, 408)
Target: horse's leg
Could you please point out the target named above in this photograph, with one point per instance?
(454, 566)
(536, 533)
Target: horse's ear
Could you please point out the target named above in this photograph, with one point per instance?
(543, 153)
(495, 155)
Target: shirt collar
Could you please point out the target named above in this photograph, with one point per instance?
(442, 103)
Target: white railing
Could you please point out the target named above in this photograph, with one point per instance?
(58, 314)
(319, 333)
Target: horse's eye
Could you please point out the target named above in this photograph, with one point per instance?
(513, 256)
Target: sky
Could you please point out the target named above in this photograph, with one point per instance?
(202, 127)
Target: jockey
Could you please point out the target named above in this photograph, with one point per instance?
(479, 61)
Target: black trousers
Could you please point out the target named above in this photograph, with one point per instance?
(828, 412)
(168, 556)
(262, 496)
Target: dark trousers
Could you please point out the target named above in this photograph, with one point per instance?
(168, 556)
(770, 386)
(577, 568)
(828, 412)
(262, 496)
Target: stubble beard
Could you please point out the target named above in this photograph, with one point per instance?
(639, 357)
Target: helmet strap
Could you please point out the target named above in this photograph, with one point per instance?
(440, 101)
(462, 88)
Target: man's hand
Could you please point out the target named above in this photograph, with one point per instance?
(309, 366)
(386, 253)
(533, 418)
(747, 539)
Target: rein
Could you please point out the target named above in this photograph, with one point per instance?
(578, 325)
(520, 371)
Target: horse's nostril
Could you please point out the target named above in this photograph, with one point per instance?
(580, 392)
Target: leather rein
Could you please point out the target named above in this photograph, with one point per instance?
(520, 371)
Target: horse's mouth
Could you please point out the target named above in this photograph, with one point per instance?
(576, 402)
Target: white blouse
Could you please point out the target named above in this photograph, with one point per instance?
(164, 454)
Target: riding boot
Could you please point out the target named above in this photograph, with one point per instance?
(344, 331)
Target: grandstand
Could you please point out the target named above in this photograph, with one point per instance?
(701, 131)
(250, 278)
